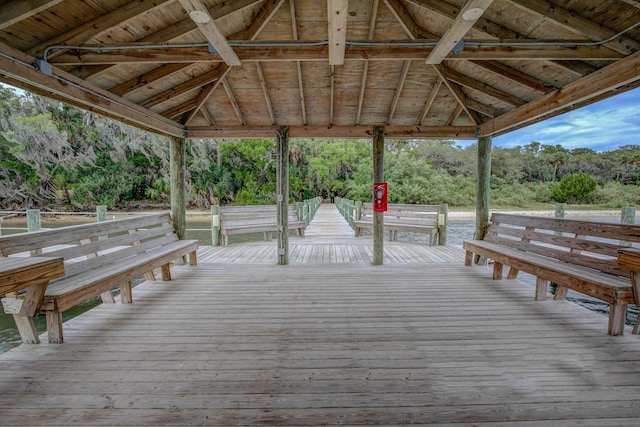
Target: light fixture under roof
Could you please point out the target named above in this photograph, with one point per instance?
(472, 14)
(199, 17)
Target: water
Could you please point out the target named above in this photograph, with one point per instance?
(459, 229)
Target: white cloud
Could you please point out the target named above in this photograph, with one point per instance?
(602, 126)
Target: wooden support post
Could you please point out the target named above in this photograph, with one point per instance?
(560, 208)
(283, 195)
(378, 176)
(177, 168)
(215, 225)
(443, 219)
(483, 188)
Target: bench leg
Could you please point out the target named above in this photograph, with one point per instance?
(193, 260)
(636, 328)
(617, 314)
(497, 270)
(513, 273)
(54, 327)
(468, 258)
(26, 329)
(561, 293)
(541, 289)
(166, 272)
(126, 297)
(107, 297)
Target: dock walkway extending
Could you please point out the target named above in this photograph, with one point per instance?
(329, 239)
(328, 343)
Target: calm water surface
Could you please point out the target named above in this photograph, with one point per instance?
(459, 230)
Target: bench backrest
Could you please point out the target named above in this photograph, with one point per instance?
(406, 213)
(89, 245)
(592, 244)
(253, 215)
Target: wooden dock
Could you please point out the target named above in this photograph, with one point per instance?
(328, 341)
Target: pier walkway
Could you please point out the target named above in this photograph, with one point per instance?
(330, 239)
(328, 340)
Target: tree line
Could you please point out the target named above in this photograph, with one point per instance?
(53, 156)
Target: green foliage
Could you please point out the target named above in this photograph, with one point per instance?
(53, 155)
(577, 187)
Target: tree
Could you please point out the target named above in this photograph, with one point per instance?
(578, 187)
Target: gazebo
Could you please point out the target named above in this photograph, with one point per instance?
(336, 69)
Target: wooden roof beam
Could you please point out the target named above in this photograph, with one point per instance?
(454, 115)
(485, 88)
(67, 88)
(413, 30)
(234, 102)
(294, 30)
(178, 29)
(262, 18)
(358, 131)
(201, 80)
(365, 65)
(332, 89)
(494, 30)
(204, 94)
(429, 102)
(471, 12)
(200, 15)
(319, 53)
(18, 10)
(146, 78)
(457, 93)
(571, 21)
(254, 29)
(97, 26)
(594, 86)
(399, 87)
(337, 17)
(515, 76)
(265, 93)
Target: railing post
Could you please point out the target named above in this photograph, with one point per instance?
(33, 220)
(34, 224)
(560, 210)
(443, 219)
(358, 210)
(101, 216)
(215, 225)
(628, 217)
(101, 213)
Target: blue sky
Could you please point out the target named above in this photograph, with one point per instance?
(603, 126)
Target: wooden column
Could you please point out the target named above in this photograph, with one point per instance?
(378, 176)
(483, 189)
(177, 167)
(283, 195)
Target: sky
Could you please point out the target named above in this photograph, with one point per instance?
(602, 126)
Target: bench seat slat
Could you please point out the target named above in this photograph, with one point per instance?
(74, 290)
(603, 286)
(99, 257)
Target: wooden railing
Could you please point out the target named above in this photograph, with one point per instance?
(306, 211)
(351, 210)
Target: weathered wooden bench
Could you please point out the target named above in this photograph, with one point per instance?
(98, 257)
(573, 254)
(402, 217)
(236, 220)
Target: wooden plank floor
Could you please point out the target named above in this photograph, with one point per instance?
(424, 343)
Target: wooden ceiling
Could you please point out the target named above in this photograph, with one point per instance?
(335, 68)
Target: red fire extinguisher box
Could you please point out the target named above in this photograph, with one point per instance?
(380, 191)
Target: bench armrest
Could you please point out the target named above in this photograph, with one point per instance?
(629, 259)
